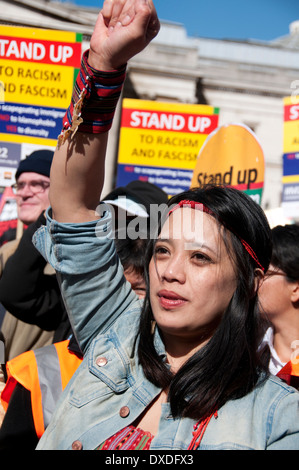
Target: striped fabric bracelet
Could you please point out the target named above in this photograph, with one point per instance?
(94, 100)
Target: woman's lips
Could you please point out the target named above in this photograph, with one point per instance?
(169, 299)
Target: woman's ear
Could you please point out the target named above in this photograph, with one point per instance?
(258, 278)
(295, 291)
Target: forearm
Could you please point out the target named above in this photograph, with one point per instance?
(78, 165)
(77, 177)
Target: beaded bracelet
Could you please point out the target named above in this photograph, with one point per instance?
(93, 102)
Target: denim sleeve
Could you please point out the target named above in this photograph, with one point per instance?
(89, 273)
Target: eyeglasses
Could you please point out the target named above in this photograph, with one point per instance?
(35, 186)
(271, 273)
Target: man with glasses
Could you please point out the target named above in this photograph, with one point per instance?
(28, 288)
(32, 185)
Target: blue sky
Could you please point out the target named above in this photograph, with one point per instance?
(233, 19)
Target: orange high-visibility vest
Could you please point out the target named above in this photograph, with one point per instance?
(45, 372)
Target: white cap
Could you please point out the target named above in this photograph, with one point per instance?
(127, 204)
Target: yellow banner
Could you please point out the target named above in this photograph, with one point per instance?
(20, 139)
(179, 108)
(37, 72)
(159, 149)
(159, 142)
(164, 134)
(291, 125)
(37, 84)
(36, 34)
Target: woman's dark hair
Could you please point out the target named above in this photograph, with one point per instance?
(228, 366)
(285, 254)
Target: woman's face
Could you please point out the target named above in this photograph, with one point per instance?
(192, 278)
(275, 293)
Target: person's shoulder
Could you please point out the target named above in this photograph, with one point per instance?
(276, 387)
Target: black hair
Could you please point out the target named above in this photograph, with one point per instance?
(285, 254)
(228, 366)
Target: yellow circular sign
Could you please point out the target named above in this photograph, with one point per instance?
(232, 156)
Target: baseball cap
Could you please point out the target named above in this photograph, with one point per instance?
(136, 197)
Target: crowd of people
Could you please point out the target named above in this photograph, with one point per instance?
(183, 338)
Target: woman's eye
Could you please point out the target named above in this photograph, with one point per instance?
(201, 257)
(160, 250)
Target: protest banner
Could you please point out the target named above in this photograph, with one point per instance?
(290, 178)
(291, 125)
(37, 72)
(159, 142)
(38, 68)
(232, 156)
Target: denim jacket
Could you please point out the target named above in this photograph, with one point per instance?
(109, 390)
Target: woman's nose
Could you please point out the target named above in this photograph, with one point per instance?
(174, 270)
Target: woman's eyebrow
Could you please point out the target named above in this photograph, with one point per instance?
(191, 245)
(195, 245)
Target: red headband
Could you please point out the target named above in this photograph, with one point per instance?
(203, 208)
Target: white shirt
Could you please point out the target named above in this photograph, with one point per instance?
(275, 364)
